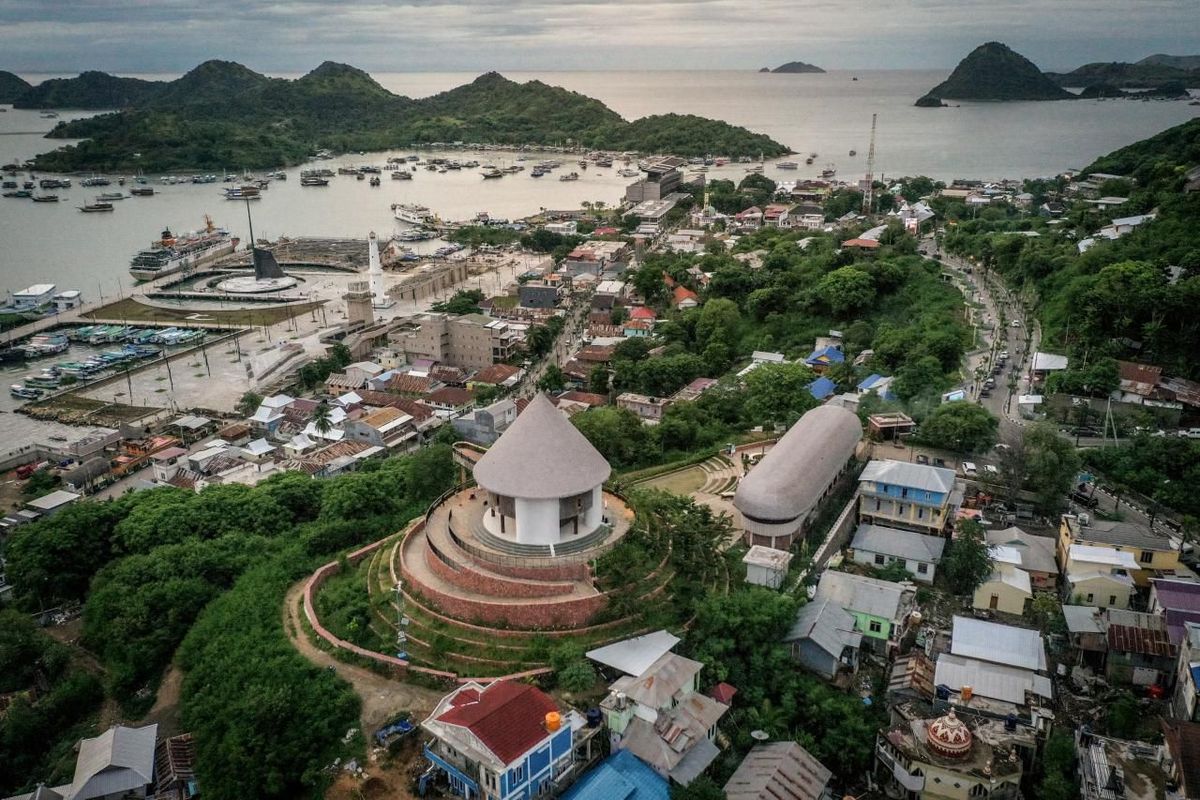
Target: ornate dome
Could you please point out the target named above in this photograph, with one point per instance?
(949, 736)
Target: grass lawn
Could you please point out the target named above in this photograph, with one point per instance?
(684, 482)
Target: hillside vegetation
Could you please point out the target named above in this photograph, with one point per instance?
(224, 115)
(1144, 74)
(993, 71)
(1119, 299)
(11, 86)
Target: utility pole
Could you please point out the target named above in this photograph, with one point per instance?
(869, 194)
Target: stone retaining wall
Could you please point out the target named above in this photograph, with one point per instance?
(469, 579)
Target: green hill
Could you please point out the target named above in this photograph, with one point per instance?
(797, 67)
(993, 71)
(12, 86)
(92, 90)
(1179, 62)
(223, 115)
(1124, 75)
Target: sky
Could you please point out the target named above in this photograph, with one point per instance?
(286, 36)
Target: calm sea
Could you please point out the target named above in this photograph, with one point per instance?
(827, 114)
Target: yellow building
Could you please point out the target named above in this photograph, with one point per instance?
(914, 497)
(1007, 590)
(1155, 555)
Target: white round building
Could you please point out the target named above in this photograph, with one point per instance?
(543, 478)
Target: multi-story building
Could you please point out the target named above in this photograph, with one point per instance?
(470, 341)
(1156, 556)
(500, 741)
(913, 497)
(1184, 704)
(952, 757)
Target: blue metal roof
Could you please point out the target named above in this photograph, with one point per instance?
(869, 381)
(830, 353)
(1196, 674)
(621, 776)
(822, 388)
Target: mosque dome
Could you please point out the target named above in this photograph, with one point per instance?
(949, 736)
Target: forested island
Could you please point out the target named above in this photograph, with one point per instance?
(795, 68)
(223, 114)
(994, 71)
(1149, 73)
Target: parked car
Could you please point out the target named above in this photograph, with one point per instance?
(1191, 433)
(939, 462)
(922, 458)
(1016, 323)
(1084, 499)
(991, 471)
(968, 468)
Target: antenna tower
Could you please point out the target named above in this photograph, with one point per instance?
(869, 193)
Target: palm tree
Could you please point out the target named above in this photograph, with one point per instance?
(321, 418)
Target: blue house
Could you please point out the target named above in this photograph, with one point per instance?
(913, 497)
(503, 741)
(822, 389)
(823, 358)
(621, 776)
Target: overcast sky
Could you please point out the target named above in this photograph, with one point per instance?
(282, 36)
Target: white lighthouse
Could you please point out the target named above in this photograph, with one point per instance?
(379, 298)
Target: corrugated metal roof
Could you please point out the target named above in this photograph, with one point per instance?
(912, 476)
(621, 776)
(1036, 552)
(995, 681)
(864, 595)
(1083, 619)
(1135, 632)
(898, 543)
(634, 656)
(827, 624)
(117, 761)
(778, 771)
(1000, 644)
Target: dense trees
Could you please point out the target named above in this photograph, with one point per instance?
(846, 290)
(967, 562)
(464, 301)
(1163, 468)
(777, 394)
(962, 426)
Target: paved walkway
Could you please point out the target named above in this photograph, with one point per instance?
(382, 698)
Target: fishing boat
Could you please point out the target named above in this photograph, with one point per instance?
(375, 180)
(243, 193)
(95, 180)
(21, 193)
(170, 253)
(853, 152)
(45, 198)
(402, 175)
(142, 191)
(95, 208)
(46, 344)
(809, 160)
(412, 214)
(570, 176)
(108, 197)
(49, 115)
(24, 392)
(787, 165)
(628, 173)
(491, 172)
(312, 179)
(47, 380)
(538, 172)
(829, 171)
(10, 355)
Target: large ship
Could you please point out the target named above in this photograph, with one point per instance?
(412, 214)
(171, 253)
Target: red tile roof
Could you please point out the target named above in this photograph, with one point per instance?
(495, 374)
(449, 396)
(508, 717)
(590, 398)
(866, 244)
(410, 384)
(642, 312)
(683, 293)
(723, 693)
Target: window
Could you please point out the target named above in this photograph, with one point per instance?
(922, 569)
(901, 509)
(903, 492)
(920, 512)
(1090, 597)
(875, 626)
(1112, 599)
(878, 559)
(1146, 556)
(518, 776)
(878, 503)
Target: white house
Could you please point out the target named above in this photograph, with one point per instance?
(880, 546)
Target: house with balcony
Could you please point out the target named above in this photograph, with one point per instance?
(1185, 704)
(502, 741)
(924, 756)
(914, 497)
(658, 714)
(1033, 554)
(1155, 554)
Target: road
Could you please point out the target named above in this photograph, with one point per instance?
(997, 334)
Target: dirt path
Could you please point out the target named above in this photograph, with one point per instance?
(382, 698)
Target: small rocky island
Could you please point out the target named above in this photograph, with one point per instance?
(794, 68)
(994, 71)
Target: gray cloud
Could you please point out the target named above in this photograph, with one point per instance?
(443, 35)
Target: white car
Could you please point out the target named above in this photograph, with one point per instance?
(1016, 323)
(968, 468)
(991, 471)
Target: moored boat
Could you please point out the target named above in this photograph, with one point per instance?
(95, 208)
(171, 253)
